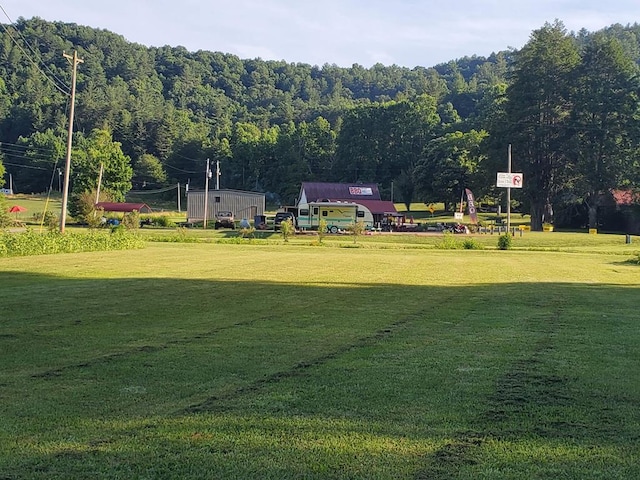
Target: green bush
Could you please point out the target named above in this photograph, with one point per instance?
(449, 242)
(322, 230)
(504, 241)
(287, 229)
(33, 243)
(131, 220)
(356, 229)
(48, 219)
(6, 219)
(181, 236)
(471, 244)
(83, 208)
(248, 232)
(162, 221)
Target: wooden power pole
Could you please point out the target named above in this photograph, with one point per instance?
(65, 194)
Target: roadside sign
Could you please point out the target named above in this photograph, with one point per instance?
(509, 180)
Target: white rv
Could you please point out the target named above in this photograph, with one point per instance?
(337, 215)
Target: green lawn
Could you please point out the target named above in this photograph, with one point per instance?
(34, 204)
(395, 360)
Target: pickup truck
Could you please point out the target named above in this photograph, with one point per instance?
(283, 216)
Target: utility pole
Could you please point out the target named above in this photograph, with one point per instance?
(217, 174)
(65, 194)
(206, 194)
(179, 198)
(509, 192)
(99, 182)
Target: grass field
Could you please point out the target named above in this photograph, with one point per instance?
(395, 360)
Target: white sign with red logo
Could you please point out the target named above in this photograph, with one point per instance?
(509, 180)
(360, 191)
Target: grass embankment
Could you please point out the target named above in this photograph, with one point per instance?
(272, 361)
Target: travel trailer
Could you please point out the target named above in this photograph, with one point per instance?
(337, 215)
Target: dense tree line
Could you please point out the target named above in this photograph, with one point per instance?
(568, 103)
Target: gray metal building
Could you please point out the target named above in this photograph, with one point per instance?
(241, 204)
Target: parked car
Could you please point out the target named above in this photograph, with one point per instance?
(225, 220)
(283, 216)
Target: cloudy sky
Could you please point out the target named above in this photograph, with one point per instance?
(342, 32)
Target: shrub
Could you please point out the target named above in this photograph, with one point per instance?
(247, 232)
(32, 243)
(82, 206)
(162, 221)
(504, 241)
(356, 229)
(322, 230)
(449, 242)
(287, 229)
(6, 220)
(49, 219)
(471, 244)
(131, 220)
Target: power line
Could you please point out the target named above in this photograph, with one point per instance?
(66, 90)
(151, 192)
(22, 152)
(25, 166)
(163, 163)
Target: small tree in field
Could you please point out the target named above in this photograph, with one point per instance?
(322, 229)
(83, 207)
(356, 229)
(287, 229)
(131, 220)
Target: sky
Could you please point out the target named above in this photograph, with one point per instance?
(407, 33)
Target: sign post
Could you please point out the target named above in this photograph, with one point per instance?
(509, 180)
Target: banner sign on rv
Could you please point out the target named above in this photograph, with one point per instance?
(509, 180)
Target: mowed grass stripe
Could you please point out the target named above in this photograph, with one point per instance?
(311, 362)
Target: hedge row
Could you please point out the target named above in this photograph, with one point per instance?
(33, 243)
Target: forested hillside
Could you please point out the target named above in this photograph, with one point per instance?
(152, 116)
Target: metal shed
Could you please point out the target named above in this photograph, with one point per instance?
(242, 204)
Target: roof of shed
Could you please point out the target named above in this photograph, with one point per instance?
(124, 207)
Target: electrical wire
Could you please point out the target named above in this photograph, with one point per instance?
(24, 166)
(68, 89)
(64, 92)
(151, 192)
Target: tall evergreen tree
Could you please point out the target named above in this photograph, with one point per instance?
(537, 115)
(606, 122)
